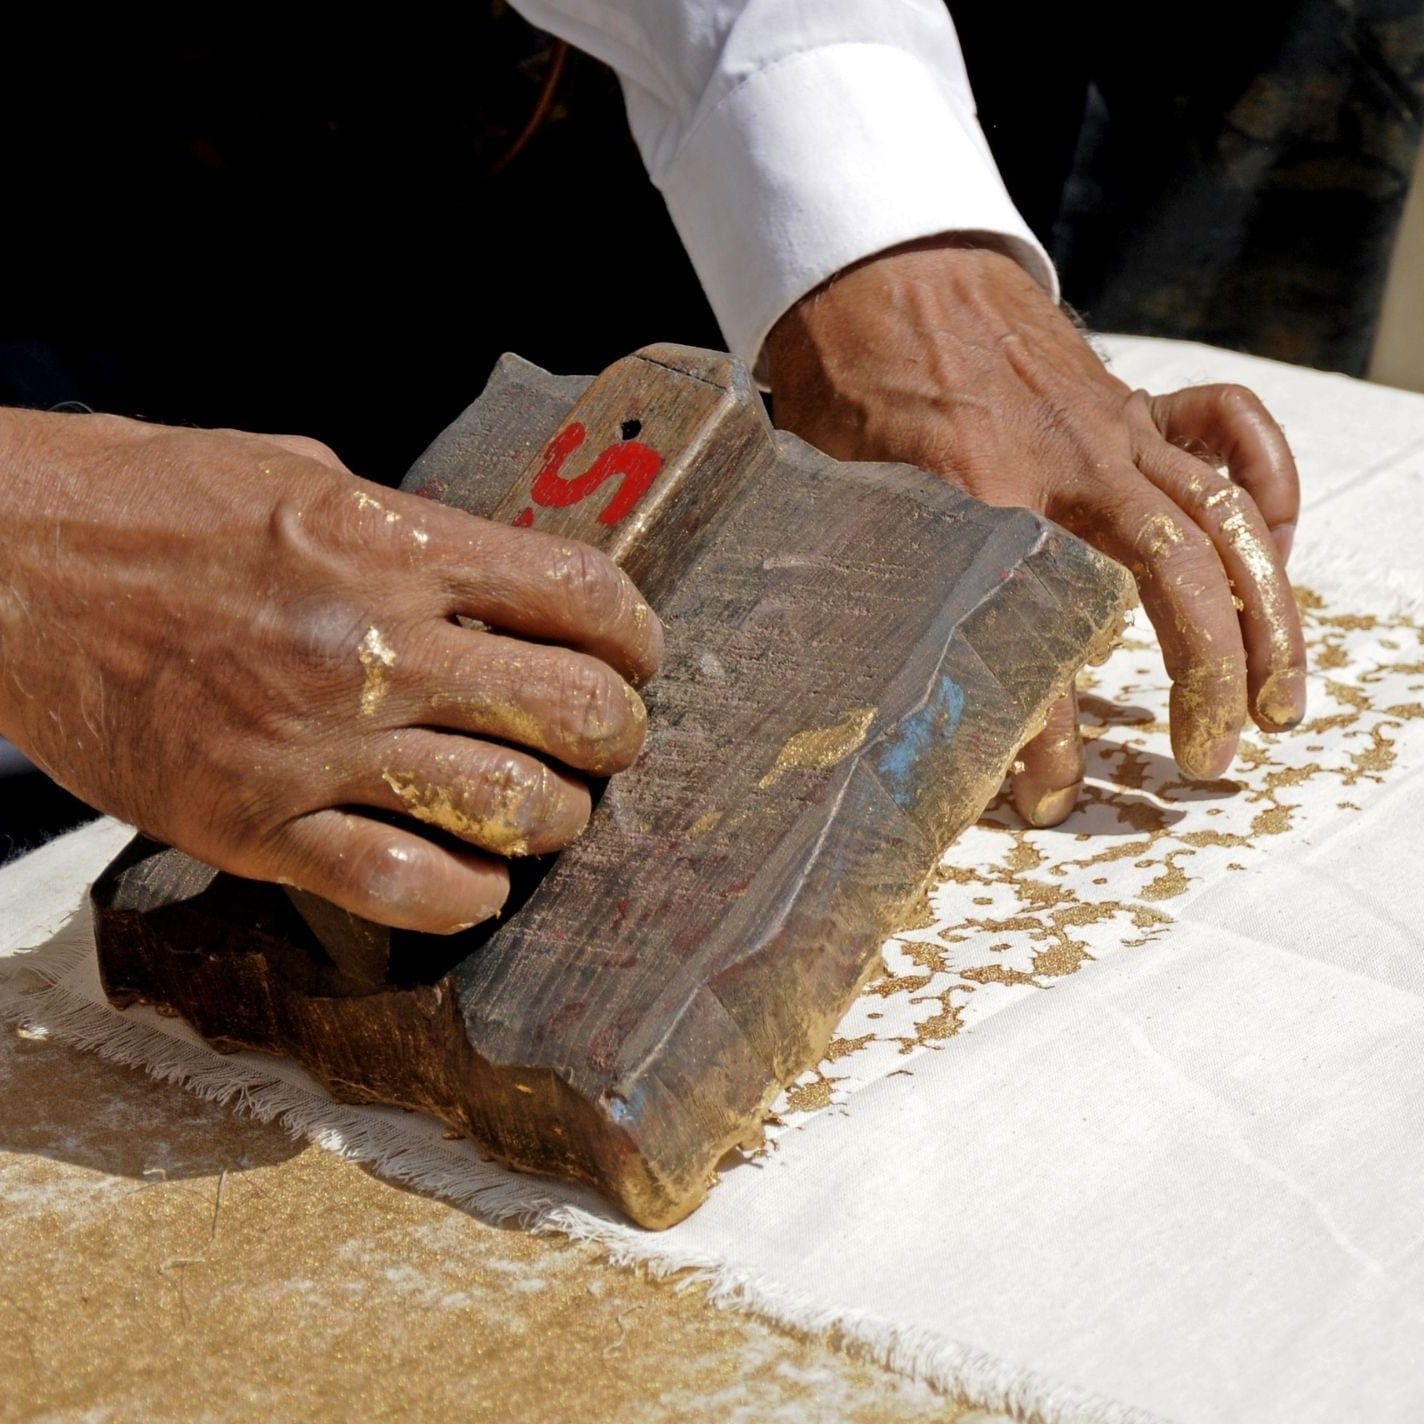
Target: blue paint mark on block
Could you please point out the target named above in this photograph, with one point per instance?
(899, 757)
(626, 1110)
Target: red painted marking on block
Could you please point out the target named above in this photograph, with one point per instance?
(631, 462)
(524, 518)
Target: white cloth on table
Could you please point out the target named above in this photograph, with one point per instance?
(1134, 1129)
(791, 139)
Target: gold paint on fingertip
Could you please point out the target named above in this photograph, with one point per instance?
(1054, 807)
(821, 748)
(636, 705)
(1281, 700)
(1205, 731)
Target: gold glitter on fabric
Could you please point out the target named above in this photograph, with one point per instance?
(1015, 909)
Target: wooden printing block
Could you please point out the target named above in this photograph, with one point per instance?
(855, 653)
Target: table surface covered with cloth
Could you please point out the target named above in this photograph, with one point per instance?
(1132, 1129)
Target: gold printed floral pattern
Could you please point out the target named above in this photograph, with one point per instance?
(1016, 909)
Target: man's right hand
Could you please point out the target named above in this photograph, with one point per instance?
(235, 644)
(946, 354)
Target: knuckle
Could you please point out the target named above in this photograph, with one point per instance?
(587, 580)
(315, 450)
(520, 807)
(306, 447)
(1140, 407)
(603, 717)
(330, 633)
(1190, 569)
(555, 812)
(595, 710)
(1234, 399)
(1226, 502)
(385, 874)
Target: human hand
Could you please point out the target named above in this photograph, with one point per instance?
(949, 356)
(235, 644)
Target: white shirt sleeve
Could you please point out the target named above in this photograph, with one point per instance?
(792, 138)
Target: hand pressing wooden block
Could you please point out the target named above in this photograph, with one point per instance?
(855, 653)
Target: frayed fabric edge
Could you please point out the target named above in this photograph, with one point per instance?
(494, 1193)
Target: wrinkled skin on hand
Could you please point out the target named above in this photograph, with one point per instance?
(948, 355)
(232, 642)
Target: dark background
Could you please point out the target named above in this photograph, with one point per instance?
(304, 218)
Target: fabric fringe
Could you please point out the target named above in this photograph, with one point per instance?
(406, 1148)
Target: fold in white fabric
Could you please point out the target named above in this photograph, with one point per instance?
(791, 139)
(1133, 1130)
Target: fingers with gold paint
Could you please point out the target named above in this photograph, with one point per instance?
(1187, 595)
(1050, 771)
(1230, 425)
(565, 704)
(385, 873)
(1263, 603)
(494, 797)
(525, 582)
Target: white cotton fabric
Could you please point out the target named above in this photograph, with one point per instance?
(1171, 1165)
(792, 138)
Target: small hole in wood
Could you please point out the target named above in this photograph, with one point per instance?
(631, 429)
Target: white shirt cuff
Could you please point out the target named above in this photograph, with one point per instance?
(819, 160)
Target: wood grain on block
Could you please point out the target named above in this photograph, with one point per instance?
(855, 653)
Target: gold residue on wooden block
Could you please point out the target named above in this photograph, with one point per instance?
(704, 823)
(820, 748)
(376, 656)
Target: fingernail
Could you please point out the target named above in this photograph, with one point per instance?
(1281, 700)
(1284, 535)
(1213, 759)
(1054, 807)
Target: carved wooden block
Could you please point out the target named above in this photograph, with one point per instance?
(855, 653)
